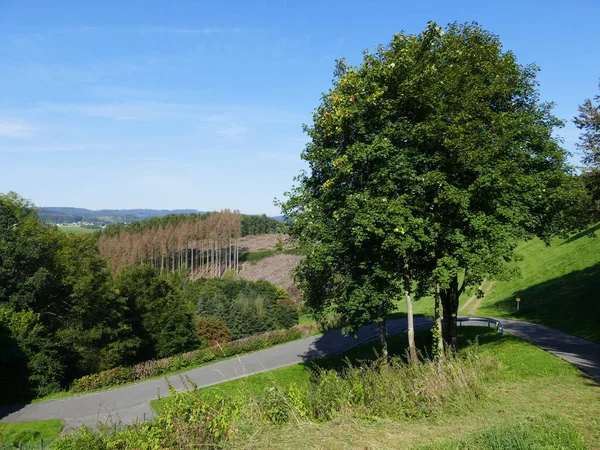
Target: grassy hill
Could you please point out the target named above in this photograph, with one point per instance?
(559, 285)
(529, 400)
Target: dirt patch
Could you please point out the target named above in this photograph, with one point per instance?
(275, 269)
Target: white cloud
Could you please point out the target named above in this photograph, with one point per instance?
(134, 111)
(16, 129)
(56, 148)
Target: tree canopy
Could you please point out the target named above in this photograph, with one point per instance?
(428, 163)
(588, 121)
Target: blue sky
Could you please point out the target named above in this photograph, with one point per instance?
(175, 104)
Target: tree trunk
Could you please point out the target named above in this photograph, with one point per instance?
(383, 339)
(439, 345)
(449, 299)
(412, 349)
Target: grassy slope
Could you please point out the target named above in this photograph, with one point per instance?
(12, 434)
(534, 401)
(559, 286)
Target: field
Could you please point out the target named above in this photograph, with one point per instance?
(76, 230)
(533, 400)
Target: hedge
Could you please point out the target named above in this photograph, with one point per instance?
(157, 367)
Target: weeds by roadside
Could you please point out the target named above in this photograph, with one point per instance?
(397, 390)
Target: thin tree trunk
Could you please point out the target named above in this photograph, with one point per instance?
(437, 319)
(412, 349)
(383, 340)
(450, 298)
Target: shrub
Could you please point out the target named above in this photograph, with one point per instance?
(212, 329)
(184, 423)
(396, 390)
(106, 378)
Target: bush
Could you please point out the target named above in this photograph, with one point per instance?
(106, 378)
(212, 329)
(185, 423)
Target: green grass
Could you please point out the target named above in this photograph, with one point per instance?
(300, 374)
(13, 434)
(546, 431)
(559, 286)
(76, 230)
(254, 257)
(533, 401)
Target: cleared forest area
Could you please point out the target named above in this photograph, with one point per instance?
(206, 245)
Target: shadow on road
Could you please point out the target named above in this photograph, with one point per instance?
(333, 350)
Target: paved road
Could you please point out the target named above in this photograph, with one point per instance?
(132, 403)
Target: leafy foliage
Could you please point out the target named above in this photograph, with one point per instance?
(93, 322)
(157, 367)
(28, 357)
(429, 162)
(185, 423)
(212, 330)
(159, 315)
(27, 255)
(246, 307)
(588, 121)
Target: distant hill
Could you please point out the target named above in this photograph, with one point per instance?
(68, 215)
(59, 214)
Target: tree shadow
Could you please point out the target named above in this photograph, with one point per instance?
(570, 303)
(14, 375)
(590, 233)
(354, 351)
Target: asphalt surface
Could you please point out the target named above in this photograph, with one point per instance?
(129, 404)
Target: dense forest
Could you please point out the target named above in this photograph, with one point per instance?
(64, 314)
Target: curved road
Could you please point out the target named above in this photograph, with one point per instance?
(132, 403)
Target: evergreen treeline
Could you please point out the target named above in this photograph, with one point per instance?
(245, 307)
(64, 315)
(255, 224)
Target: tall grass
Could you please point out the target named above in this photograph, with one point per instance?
(394, 390)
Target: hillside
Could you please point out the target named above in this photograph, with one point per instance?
(559, 285)
(264, 261)
(59, 214)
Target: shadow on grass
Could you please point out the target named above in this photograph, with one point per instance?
(590, 233)
(398, 346)
(570, 303)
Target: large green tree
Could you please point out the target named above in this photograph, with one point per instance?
(588, 121)
(91, 317)
(160, 316)
(27, 255)
(427, 164)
